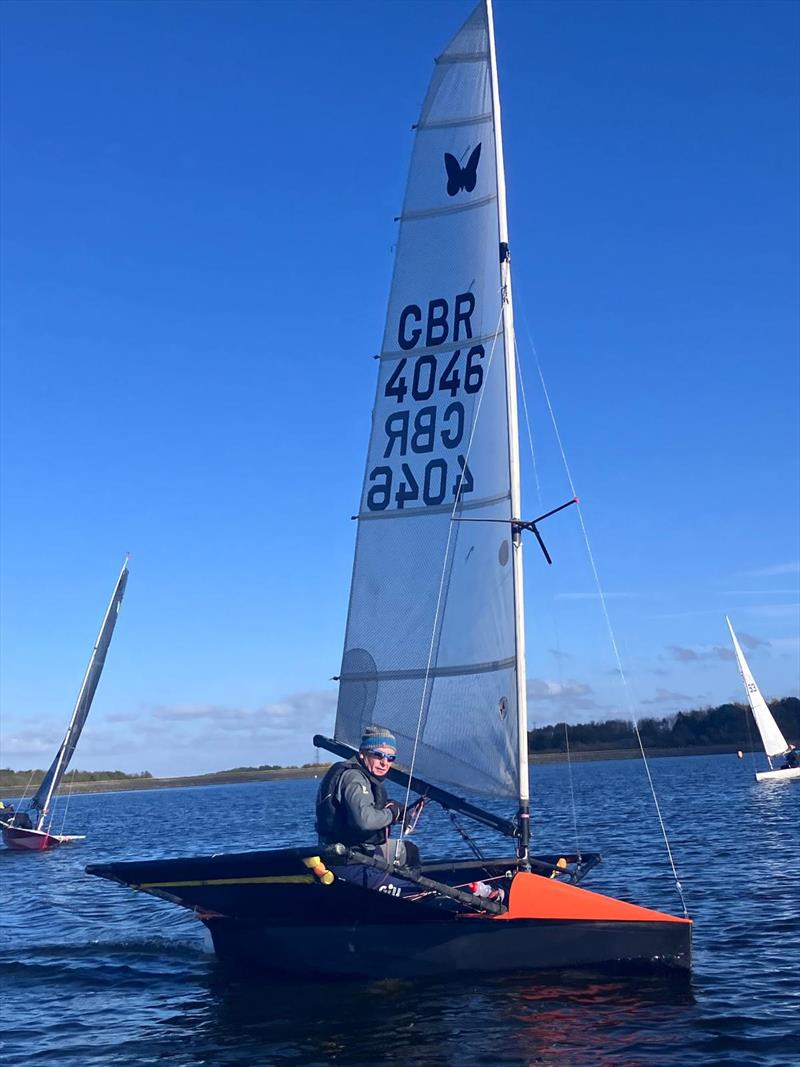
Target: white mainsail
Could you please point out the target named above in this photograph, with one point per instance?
(773, 740)
(433, 641)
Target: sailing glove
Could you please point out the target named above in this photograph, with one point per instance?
(396, 810)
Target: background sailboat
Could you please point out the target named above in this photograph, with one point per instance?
(775, 745)
(29, 828)
(434, 645)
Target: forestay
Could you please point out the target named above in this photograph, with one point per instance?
(430, 641)
(773, 740)
(57, 769)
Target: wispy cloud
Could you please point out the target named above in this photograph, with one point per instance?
(782, 645)
(560, 699)
(750, 641)
(702, 654)
(33, 741)
(759, 592)
(686, 614)
(304, 711)
(667, 696)
(595, 596)
(187, 738)
(776, 611)
(776, 569)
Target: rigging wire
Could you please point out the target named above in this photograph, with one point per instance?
(450, 528)
(68, 797)
(604, 606)
(24, 796)
(554, 620)
(460, 829)
(521, 381)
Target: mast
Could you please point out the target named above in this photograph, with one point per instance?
(513, 450)
(58, 769)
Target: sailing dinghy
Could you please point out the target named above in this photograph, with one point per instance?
(434, 643)
(30, 828)
(775, 744)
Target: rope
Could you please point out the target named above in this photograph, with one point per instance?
(27, 787)
(528, 423)
(68, 798)
(474, 848)
(451, 527)
(609, 626)
(554, 620)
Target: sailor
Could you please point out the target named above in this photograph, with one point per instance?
(352, 804)
(11, 817)
(791, 758)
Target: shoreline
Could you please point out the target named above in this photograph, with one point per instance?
(120, 785)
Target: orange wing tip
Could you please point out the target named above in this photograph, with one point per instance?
(535, 897)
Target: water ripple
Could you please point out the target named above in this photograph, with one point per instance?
(125, 979)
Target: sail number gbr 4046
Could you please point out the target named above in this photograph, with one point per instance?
(422, 428)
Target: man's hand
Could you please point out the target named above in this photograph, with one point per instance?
(396, 810)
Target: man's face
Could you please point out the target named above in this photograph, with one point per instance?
(378, 760)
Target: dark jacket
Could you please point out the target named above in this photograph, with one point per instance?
(351, 806)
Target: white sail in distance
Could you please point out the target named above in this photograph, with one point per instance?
(431, 640)
(773, 740)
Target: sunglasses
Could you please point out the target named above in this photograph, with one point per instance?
(377, 754)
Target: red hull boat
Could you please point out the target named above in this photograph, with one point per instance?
(30, 840)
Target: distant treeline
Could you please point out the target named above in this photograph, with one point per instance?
(269, 767)
(10, 778)
(729, 725)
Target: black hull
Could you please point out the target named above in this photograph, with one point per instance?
(286, 912)
(435, 950)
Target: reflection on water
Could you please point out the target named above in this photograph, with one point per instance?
(576, 1018)
(130, 979)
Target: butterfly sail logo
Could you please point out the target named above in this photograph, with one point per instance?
(459, 177)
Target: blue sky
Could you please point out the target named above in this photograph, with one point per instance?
(197, 230)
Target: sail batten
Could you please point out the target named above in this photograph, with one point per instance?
(436, 212)
(433, 672)
(432, 600)
(451, 346)
(449, 123)
(432, 510)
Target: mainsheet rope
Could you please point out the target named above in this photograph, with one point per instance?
(450, 528)
(611, 634)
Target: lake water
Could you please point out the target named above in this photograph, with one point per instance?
(93, 973)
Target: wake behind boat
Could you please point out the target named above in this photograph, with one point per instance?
(775, 744)
(30, 828)
(434, 645)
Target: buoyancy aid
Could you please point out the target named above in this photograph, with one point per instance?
(333, 824)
